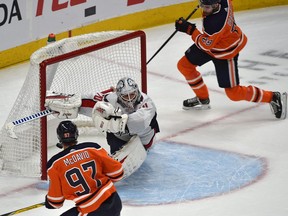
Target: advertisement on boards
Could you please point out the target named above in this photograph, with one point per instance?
(23, 21)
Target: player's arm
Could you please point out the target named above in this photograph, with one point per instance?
(90, 99)
(111, 167)
(140, 121)
(54, 198)
(67, 106)
(214, 30)
(205, 41)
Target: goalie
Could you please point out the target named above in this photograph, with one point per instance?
(127, 116)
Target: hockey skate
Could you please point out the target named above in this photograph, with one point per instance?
(278, 105)
(196, 104)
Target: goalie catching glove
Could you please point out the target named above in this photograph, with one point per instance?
(107, 119)
(64, 106)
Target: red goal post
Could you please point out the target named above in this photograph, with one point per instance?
(81, 64)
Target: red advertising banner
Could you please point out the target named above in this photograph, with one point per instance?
(133, 2)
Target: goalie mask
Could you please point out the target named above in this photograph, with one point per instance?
(128, 93)
(67, 132)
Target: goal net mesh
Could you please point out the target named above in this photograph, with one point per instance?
(81, 64)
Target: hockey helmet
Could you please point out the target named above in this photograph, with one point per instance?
(209, 2)
(209, 6)
(67, 132)
(128, 92)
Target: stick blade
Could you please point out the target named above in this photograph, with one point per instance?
(10, 130)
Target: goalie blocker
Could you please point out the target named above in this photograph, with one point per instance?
(107, 119)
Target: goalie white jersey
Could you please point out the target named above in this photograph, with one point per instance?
(142, 121)
(129, 146)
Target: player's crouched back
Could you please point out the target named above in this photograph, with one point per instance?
(83, 173)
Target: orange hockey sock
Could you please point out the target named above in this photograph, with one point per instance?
(249, 93)
(193, 77)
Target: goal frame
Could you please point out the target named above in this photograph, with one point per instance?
(42, 80)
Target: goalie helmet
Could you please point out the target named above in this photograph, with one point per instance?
(67, 132)
(128, 93)
(209, 2)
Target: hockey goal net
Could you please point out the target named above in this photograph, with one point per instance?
(81, 64)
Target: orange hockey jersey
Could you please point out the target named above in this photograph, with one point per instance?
(83, 173)
(221, 37)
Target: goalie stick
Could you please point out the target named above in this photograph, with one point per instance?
(18, 211)
(10, 125)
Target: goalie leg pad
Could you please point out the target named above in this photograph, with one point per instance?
(132, 156)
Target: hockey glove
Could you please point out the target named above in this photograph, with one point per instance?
(64, 106)
(113, 125)
(183, 26)
(107, 119)
(104, 109)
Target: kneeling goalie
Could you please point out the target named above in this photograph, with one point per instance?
(127, 116)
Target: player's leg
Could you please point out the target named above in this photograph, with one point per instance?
(148, 135)
(71, 212)
(110, 207)
(276, 100)
(228, 78)
(115, 142)
(278, 105)
(187, 66)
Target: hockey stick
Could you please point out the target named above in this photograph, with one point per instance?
(10, 125)
(24, 209)
(195, 9)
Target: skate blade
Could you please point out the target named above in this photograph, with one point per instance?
(202, 107)
(284, 105)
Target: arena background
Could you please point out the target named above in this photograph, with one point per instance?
(144, 18)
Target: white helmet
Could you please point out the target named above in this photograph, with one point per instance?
(128, 93)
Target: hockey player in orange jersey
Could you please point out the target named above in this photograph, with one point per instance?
(85, 174)
(220, 42)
